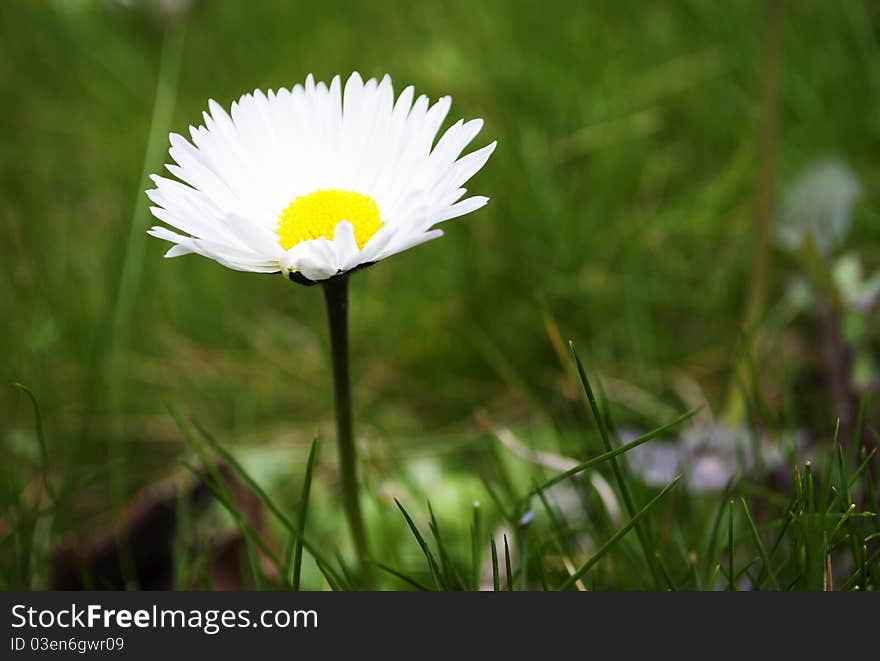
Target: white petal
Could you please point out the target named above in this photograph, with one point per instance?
(467, 166)
(408, 242)
(461, 208)
(373, 247)
(344, 242)
(253, 236)
(315, 260)
(451, 144)
(242, 168)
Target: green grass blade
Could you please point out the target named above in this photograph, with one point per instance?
(248, 533)
(426, 550)
(813, 538)
(859, 574)
(41, 439)
(559, 530)
(644, 538)
(825, 499)
(607, 546)
(524, 557)
(496, 583)
(350, 578)
(194, 443)
(842, 522)
(475, 548)
(330, 575)
(263, 497)
(670, 584)
(497, 501)
(129, 278)
(787, 520)
(253, 561)
(863, 466)
(212, 479)
(606, 456)
(762, 551)
(451, 577)
(507, 565)
(403, 577)
(542, 575)
(303, 513)
(843, 477)
(712, 541)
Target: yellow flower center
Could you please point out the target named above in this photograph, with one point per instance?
(316, 215)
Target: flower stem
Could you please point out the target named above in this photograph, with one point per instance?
(336, 298)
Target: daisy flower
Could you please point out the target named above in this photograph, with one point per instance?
(317, 180)
(314, 182)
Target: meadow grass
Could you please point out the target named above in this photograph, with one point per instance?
(626, 193)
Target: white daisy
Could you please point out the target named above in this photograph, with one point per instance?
(315, 181)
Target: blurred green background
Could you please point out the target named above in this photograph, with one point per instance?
(635, 141)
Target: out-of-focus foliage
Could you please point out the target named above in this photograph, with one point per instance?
(624, 215)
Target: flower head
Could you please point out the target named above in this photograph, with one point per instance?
(818, 206)
(316, 180)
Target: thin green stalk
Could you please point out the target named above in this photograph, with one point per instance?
(336, 298)
(130, 276)
(426, 550)
(475, 548)
(767, 170)
(136, 243)
(644, 538)
(496, 582)
(524, 557)
(762, 550)
(451, 576)
(766, 202)
(507, 565)
(41, 441)
(253, 560)
(296, 563)
(670, 585)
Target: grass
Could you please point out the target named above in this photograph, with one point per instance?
(812, 532)
(625, 191)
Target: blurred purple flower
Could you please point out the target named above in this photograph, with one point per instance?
(708, 456)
